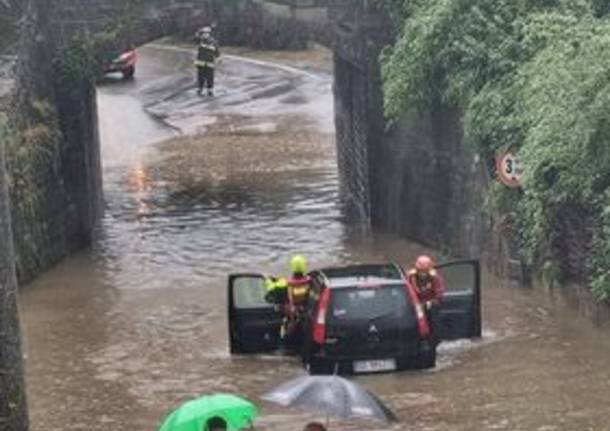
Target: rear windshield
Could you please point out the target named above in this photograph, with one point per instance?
(368, 303)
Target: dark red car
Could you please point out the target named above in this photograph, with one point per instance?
(124, 63)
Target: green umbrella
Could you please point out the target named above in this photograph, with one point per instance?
(193, 415)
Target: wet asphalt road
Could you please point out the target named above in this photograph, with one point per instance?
(197, 188)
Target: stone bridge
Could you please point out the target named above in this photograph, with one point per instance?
(287, 24)
(354, 31)
(416, 178)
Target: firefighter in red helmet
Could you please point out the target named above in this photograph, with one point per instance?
(430, 288)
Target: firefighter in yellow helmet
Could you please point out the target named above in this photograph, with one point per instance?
(290, 294)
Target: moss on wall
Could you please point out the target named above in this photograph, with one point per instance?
(33, 150)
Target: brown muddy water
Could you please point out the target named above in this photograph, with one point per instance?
(118, 335)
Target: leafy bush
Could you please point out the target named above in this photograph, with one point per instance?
(77, 61)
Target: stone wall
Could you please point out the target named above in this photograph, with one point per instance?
(13, 410)
(358, 104)
(52, 154)
(432, 188)
(351, 139)
(13, 406)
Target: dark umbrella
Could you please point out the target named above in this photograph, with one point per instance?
(331, 395)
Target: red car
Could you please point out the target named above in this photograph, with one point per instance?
(124, 63)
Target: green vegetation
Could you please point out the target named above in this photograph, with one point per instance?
(533, 75)
(77, 61)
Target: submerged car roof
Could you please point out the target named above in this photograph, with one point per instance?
(362, 275)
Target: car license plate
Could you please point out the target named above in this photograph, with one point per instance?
(374, 366)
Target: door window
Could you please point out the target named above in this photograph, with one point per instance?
(459, 277)
(249, 293)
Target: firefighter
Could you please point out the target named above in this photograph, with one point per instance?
(298, 284)
(207, 54)
(290, 295)
(430, 289)
(298, 294)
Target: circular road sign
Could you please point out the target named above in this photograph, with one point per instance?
(508, 167)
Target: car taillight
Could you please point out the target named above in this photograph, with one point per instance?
(127, 56)
(319, 329)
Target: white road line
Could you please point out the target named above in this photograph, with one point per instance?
(262, 63)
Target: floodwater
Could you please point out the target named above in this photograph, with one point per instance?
(119, 334)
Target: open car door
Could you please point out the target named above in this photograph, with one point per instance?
(254, 324)
(460, 313)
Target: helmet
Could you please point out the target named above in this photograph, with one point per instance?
(298, 264)
(424, 263)
(204, 32)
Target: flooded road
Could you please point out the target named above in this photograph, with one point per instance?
(197, 188)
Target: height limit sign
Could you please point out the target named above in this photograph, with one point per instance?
(509, 169)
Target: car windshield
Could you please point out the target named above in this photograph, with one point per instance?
(369, 303)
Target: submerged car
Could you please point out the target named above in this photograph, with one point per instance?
(125, 63)
(359, 318)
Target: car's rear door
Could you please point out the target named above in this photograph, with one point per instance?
(460, 313)
(254, 324)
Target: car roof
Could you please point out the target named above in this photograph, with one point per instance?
(362, 275)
